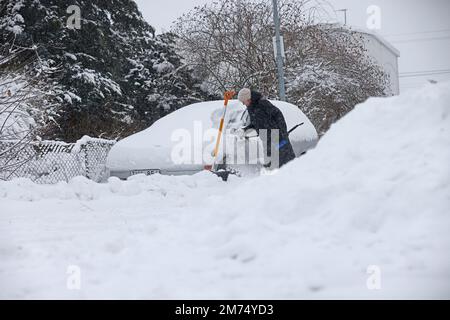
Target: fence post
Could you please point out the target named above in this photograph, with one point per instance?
(86, 160)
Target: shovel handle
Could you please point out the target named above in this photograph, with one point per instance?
(227, 96)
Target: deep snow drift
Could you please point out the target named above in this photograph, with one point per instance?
(375, 192)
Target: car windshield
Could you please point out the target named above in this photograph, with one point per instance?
(238, 119)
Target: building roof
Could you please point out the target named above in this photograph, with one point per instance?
(378, 37)
(371, 33)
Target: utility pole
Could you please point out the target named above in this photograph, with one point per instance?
(279, 57)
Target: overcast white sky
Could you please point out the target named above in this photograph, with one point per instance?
(419, 29)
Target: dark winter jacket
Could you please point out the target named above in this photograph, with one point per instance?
(264, 115)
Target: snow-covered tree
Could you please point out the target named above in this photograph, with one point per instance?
(331, 73)
(229, 45)
(23, 86)
(110, 70)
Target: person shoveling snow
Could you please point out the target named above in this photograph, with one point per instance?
(265, 116)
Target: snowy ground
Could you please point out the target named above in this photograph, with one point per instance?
(375, 192)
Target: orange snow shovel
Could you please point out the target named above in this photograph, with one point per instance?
(228, 95)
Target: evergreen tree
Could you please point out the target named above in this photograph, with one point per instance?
(114, 75)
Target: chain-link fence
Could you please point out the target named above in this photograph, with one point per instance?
(53, 161)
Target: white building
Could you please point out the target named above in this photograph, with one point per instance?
(384, 53)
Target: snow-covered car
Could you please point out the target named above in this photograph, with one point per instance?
(176, 144)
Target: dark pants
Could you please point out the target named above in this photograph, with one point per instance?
(285, 153)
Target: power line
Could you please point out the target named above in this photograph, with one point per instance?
(421, 39)
(422, 74)
(414, 85)
(418, 32)
(422, 71)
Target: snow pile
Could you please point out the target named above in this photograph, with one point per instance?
(373, 195)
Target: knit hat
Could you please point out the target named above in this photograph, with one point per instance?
(244, 95)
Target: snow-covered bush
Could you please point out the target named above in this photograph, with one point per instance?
(331, 74)
(23, 93)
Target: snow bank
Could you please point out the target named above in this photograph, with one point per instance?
(373, 195)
